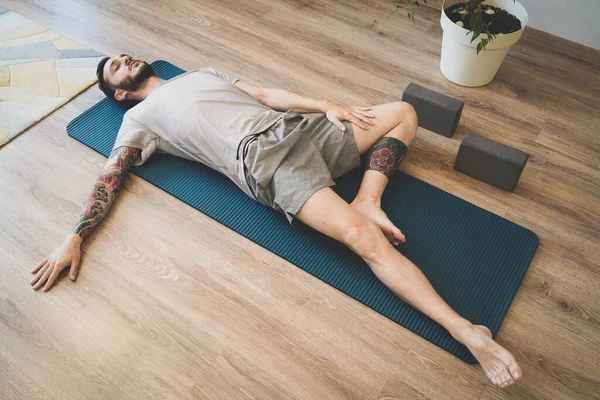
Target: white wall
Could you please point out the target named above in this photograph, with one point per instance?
(576, 20)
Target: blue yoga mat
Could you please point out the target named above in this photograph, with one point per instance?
(475, 259)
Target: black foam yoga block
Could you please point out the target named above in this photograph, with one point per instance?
(436, 111)
(489, 161)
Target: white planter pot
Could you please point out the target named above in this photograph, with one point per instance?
(460, 62)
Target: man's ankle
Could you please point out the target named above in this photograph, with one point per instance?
(462, 330)
(368, 199)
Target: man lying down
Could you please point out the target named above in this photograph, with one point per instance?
(258, 139)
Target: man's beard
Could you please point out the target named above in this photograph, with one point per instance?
(132, 84)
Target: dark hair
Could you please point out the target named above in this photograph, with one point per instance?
(104, 85)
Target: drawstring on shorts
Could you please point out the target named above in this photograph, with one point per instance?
(245, 152)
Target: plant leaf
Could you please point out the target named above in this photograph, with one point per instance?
(483, 43)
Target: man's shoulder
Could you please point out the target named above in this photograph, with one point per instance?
(134, 117)
(143, 108)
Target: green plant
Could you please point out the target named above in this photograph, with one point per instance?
(470, 15)
(410, 13)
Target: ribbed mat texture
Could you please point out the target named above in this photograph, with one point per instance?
(475, 259)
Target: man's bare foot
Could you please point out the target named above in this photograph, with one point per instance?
(374, 213)
(497, 362)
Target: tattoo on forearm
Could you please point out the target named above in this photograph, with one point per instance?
(385, 155)
(105, 190)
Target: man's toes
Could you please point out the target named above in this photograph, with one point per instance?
(515, 371)
(398, 234)
(506, 379)
(388, 235)
(500, 380)
(511, 380)
(495, 380)
(391, 239)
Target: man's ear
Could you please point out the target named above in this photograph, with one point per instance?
(121, 95)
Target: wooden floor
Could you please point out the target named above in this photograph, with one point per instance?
(172, 304)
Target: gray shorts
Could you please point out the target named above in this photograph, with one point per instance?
(297, 156)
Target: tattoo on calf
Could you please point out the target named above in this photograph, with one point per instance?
(105, 190)
(385, 155)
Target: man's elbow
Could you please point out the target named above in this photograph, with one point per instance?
(269, 98)
(264, 97)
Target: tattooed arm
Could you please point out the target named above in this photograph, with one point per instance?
(101, 197)
(105, 190)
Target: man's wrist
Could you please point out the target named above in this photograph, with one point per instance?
(324, 106)
(74, 237)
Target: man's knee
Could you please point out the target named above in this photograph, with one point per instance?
(408, 116)
(364, 238)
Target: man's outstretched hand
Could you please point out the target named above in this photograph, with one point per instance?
(68, 254)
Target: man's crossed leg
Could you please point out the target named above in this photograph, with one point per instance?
(366, 230)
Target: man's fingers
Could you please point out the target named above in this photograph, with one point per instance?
(39, 274)
(43, 278)
(362, 111)
(370, 115)
(336, 121)
(52, 278)
(40, 265)
(74, 269)
(364, 119)
(358, 122)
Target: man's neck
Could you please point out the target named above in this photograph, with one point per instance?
(152, 83)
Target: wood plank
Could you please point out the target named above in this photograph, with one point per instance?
(171, 303)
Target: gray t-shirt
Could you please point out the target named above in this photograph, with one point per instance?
(201, 116)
